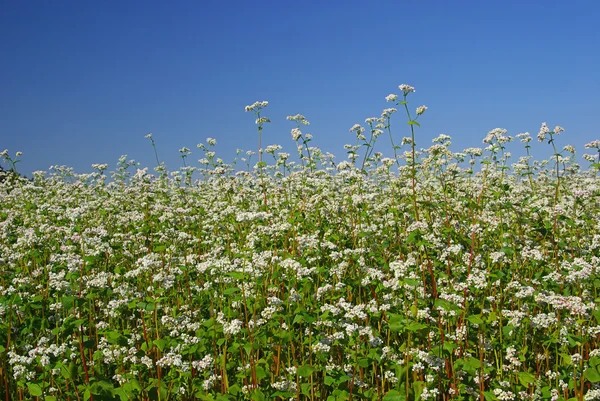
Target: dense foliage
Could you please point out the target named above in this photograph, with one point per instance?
(421, 276)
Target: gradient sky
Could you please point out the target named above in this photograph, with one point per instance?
(83, 82)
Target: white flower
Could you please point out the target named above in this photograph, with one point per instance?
(272, 149)
(392, 97)
(442, 138)
(100, 167)
(386, 113)
(296, 134)
(496, 134)
(357, 128)
(149, 135)
(525, 137)
(406, 89)
(299, 118)
(473, 151)
(543, 131)
(421, 110)
(589, 145)
(257, 106)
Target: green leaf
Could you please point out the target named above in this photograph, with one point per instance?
(341, 395)
(260, 373)
(507, 330)
(66, 372)
(305, 370)
(413, 122)
(238, 275)
(257, 395)
(305, 389)
(231, 290)
(235, 389)
(34, 389)
(418, 387)
(416, 326)
(592, 375)
(160, 344)
(396, 322)
(449, 347)
(102, 387)
(489, 396)
(526, 378)
(394, 395)
(474, 362)
(566, 359)
(411, 282)
(159, 248)
(475, 319)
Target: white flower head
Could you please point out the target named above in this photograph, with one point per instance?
(148, 135)
(421, 110)
(392, 97)
(256, 106)
(543, 131)
(496, 134)
(525, 137)
(387, 113)
(406, 89)
(100, 167)
(357, 128)
(590, 145)
(298, 118)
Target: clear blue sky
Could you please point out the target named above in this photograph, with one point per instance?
(83, 82)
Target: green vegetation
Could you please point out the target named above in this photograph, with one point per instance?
(429, 275)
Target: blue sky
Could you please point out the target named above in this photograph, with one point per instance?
(83, 82)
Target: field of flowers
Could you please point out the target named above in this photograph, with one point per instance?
(427, 275)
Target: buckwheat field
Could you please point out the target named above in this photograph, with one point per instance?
(423, 274)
